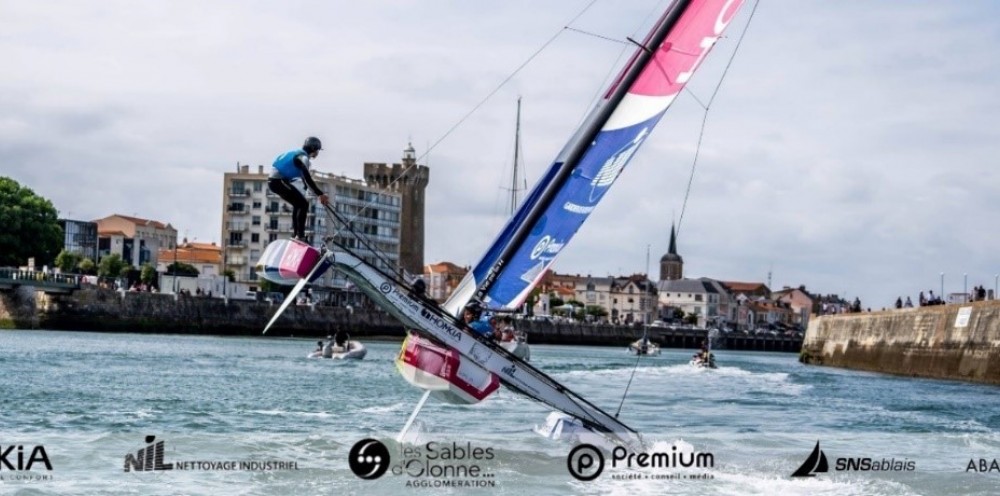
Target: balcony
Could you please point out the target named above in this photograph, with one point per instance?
(237, 226)
(232, 261)
(237, 209)
(234, 192)
(237, 244)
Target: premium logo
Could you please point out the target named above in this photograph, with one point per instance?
(369, 459)
(816, 463)
(586, 462)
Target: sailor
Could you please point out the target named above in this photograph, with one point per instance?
(471, 314)
(342, 339)
(328, 347)
(288, 167)
(319, 347)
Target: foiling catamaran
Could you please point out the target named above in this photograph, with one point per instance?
(444, 357)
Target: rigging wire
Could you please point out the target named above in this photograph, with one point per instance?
(693, 166)
(704, 117)
(477, 106)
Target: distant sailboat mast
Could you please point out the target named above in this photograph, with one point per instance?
(514, 186)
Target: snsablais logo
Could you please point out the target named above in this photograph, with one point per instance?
(816, 463)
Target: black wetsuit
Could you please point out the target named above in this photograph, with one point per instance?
(283, 187)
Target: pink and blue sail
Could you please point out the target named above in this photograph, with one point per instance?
(596, 155)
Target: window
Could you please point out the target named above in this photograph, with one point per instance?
(254, 238)
(255, 220)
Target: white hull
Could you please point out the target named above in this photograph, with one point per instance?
(487, 354)
(702, 364)
(652, 349)
(355, 351)
(518, 348)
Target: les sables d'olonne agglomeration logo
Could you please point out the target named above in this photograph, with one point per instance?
(586, 462)
(429, 465)
(816, 463)
(20, 462)
(150, 458)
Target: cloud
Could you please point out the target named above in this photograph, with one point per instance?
(850, 147)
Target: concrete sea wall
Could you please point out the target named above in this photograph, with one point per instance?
(959, 342)
(95, 309)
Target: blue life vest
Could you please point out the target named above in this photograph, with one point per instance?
(481, 327)
(285, 163)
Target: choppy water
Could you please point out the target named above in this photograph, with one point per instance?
(89, 399)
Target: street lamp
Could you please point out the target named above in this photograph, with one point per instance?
(996, 278)
(965, 286)
(942, 287)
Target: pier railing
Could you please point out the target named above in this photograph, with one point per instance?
(12, 277)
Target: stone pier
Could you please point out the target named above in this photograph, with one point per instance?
(958, 341)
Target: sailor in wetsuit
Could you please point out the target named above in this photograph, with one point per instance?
(471, 315)
(288, 167)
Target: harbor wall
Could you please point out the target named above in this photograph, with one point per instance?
(958, 341)
(104, 310)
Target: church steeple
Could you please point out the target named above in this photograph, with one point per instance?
(671, 264)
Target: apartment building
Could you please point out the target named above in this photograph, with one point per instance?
(253, 216)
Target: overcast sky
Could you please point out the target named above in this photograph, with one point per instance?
(852, 147)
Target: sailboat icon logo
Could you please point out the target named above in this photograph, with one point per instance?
(816, 463)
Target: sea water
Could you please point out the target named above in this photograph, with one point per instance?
(255, 416)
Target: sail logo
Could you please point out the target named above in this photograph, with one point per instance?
(613, 167)
(816, 463)
(149, 458)
(546, 246)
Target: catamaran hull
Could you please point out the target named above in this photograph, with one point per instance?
(511, 371)
(442, 371)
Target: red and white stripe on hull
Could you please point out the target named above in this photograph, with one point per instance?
(441, 371)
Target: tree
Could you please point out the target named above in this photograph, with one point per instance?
(182, 269)
(87, 266)
(148, 273)
(230, 275)
(112, 266)
(68, 261)
(29, 226)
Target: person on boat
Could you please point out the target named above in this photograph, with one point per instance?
(342, 339)
(328, 347)
(507, 329)
(471, 314)
(288, 167)
(319, 347)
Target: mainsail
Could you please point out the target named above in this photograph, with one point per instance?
(596, 155)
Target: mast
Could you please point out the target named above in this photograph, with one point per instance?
(584, 139)
(517, 151)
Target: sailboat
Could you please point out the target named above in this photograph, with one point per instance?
(541, 227)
